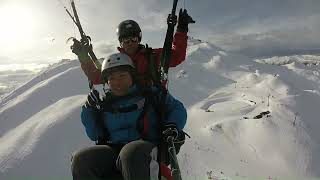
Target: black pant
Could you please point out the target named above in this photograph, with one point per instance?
(136, 160)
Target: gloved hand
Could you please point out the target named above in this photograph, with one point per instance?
(184, 20)
(81, 49)
(93, 99)
(172, 19)
(169, 130)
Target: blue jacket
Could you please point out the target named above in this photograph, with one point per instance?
(124, 127)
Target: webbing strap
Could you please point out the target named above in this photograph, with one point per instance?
(152, 70)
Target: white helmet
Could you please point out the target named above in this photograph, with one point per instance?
(116, 60)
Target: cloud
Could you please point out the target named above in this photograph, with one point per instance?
(290, 35)
(240, 25)
(2, 87)
(155, 20)
(21, 68)
(273, 43)
(103, 48)
(5, 60)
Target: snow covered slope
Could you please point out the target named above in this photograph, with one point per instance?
(247, 118)
(40, 124)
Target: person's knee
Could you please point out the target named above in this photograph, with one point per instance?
(88, 157)
(138, 160)
(80, 160)
(136, 151)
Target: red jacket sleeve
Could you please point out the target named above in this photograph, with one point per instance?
(179, 49)
(93, 74)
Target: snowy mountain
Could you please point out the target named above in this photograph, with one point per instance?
(246, 118)
(13, 75)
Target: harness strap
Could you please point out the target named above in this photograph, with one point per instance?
(104, 137)
(152, 68)
(145, 125)
(142, 121)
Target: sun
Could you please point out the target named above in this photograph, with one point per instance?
(17, 24)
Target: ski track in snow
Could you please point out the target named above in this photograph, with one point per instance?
(20, 141)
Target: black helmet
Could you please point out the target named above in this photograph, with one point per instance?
(129, 28)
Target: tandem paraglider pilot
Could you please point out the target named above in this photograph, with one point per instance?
(146, 59)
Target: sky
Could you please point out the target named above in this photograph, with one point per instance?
(247, 120)
(36, 30)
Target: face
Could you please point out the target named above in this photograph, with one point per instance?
(130, 45)
(120, 82)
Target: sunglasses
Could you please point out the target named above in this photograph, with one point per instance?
(129, 39)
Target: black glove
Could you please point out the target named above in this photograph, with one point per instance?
(172, 19)
(184, 20)
(178, 140)
(93, 99)
(169, 130)
(81, 49)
